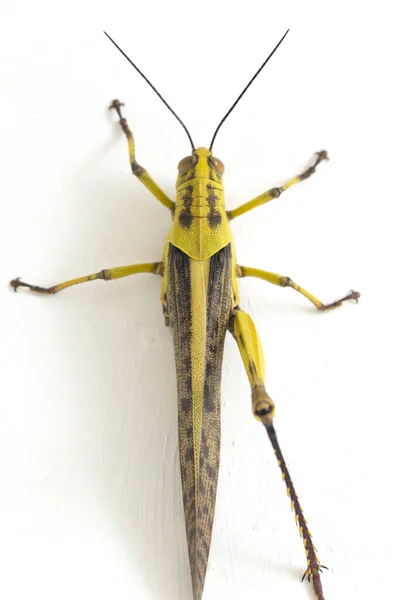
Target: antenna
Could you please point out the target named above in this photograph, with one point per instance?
(245, 90)
(152, 86)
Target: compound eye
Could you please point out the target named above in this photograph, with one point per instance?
(217, 164)
(187, 163)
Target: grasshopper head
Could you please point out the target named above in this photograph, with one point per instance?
(200, 164)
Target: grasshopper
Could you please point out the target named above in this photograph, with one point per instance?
(200, 300)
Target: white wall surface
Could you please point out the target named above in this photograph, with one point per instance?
(90, 501)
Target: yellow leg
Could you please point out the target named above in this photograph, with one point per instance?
(106, 274)
(245, 334)
(277, 191)
(137, 170)
(284, 281)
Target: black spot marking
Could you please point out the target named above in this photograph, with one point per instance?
(252, 368)
(186, 217)
(188, 196)
(186, 405)
(214, 217)
(213, 348)
(209, 403)
(178, 261)
(205, 450)
(211, 471)
(186, 336)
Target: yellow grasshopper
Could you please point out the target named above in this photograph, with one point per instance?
(200, 300)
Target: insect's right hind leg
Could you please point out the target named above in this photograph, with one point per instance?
(105, 274)
(243, 330)
(137, 170)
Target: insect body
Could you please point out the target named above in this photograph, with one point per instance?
(200, 299)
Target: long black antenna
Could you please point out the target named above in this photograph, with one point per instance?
(245, 90)
(152, 86)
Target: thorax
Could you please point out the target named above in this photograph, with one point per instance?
(200, 227)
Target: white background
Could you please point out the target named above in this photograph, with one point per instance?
(90, 492)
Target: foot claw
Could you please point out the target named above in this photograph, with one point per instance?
(116, 105)
(312, 572)
(321, 155)
(313, 575)
(15, 283)
(353, 296)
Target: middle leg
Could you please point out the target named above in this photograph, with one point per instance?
(284, 281)
(105, 274)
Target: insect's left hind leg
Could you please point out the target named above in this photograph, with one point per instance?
(284, 281)
(243, 330)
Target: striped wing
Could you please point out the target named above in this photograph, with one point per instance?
(199, 298)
